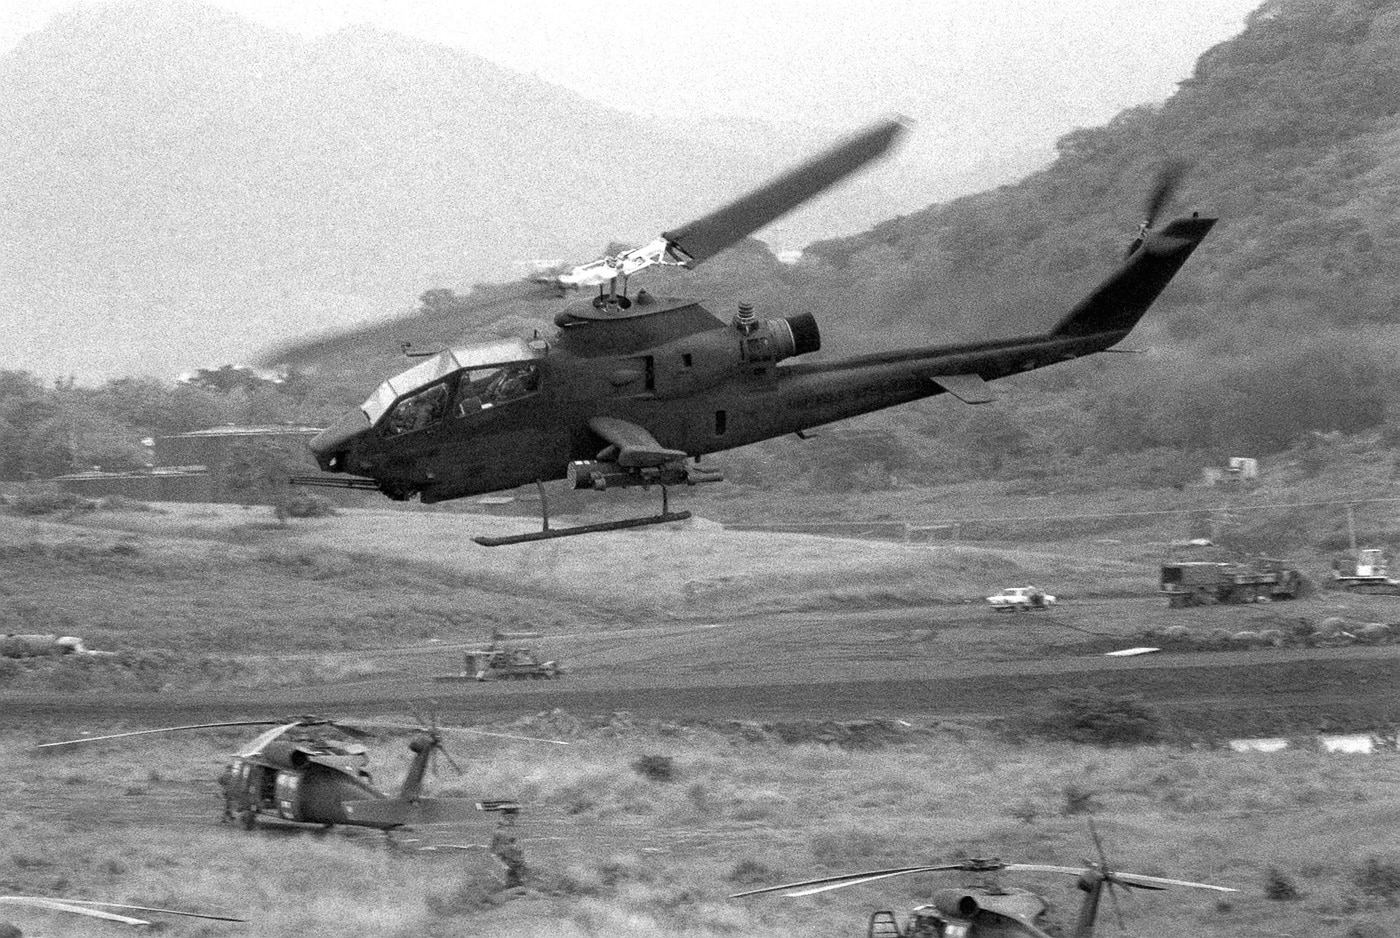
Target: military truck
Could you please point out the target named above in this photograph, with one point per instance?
(505, 659)
(1205, 583)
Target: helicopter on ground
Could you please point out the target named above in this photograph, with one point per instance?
(107, 911)
(314, 771)
(988, 910)
(632, 388)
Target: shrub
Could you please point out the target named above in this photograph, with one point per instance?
(1091, 716)
(1379, 877)
(47, 501)
(1078, 800)
(307, 505)
(751, 872)
(124, 503)
(1278, 886)
(655, 768)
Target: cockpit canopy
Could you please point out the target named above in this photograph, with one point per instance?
(447, 362)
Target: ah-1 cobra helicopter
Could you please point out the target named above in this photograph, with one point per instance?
(631, 389)
(310, 771)
(988, 910)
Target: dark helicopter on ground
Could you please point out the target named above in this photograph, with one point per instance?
(311, 770)
(988, 910)
(632, 388)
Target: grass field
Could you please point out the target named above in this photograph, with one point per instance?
(615, 854)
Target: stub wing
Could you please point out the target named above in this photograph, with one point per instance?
(636, 447)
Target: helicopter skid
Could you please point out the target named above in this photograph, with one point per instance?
(550, 533)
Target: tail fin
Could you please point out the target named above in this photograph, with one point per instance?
(1119, 302)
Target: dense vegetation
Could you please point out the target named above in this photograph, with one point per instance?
(51, 430)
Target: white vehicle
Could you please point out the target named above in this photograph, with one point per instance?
(1025, 598)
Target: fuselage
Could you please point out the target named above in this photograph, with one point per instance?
(698, 393)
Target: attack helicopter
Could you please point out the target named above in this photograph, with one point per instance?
(988, 910)
(633, 390)
(314, 771)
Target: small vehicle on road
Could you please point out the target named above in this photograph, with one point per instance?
(1024, 598)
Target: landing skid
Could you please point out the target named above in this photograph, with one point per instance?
(547, 533)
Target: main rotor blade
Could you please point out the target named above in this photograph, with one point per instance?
(1098, 844)
(148, 908)
(535, 287)
(55, 905)
(163, 729)
(808, 887)
(1157, 882)
(461, 729)
(1117, 909)
(1045, 868)
(705, 237)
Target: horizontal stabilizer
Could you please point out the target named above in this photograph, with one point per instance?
(636, 447)
(969, 388)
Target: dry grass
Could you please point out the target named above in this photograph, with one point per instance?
(617, 854)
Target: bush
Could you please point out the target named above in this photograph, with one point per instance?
(308, 505)
(1078, 800)
(655, 768)
(47, 501)
(1379, 877)
(751, 872)
(124, 503)
(1278, 886)
(1091, 716)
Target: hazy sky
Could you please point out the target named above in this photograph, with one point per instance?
(979, 76)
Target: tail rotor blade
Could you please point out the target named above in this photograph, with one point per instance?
(1168, 179)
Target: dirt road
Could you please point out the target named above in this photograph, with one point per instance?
(1241, 689)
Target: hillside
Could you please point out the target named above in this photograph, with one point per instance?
(181, 183)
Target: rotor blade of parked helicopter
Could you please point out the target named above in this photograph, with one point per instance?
(808, 887)
(1117, 909)
(705, 237)
(1098, 844)
(54, 905)
(459, 729)
(163, 729)
(1139, 881)
(1045, 868)
(148, 908)
(450, 761)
